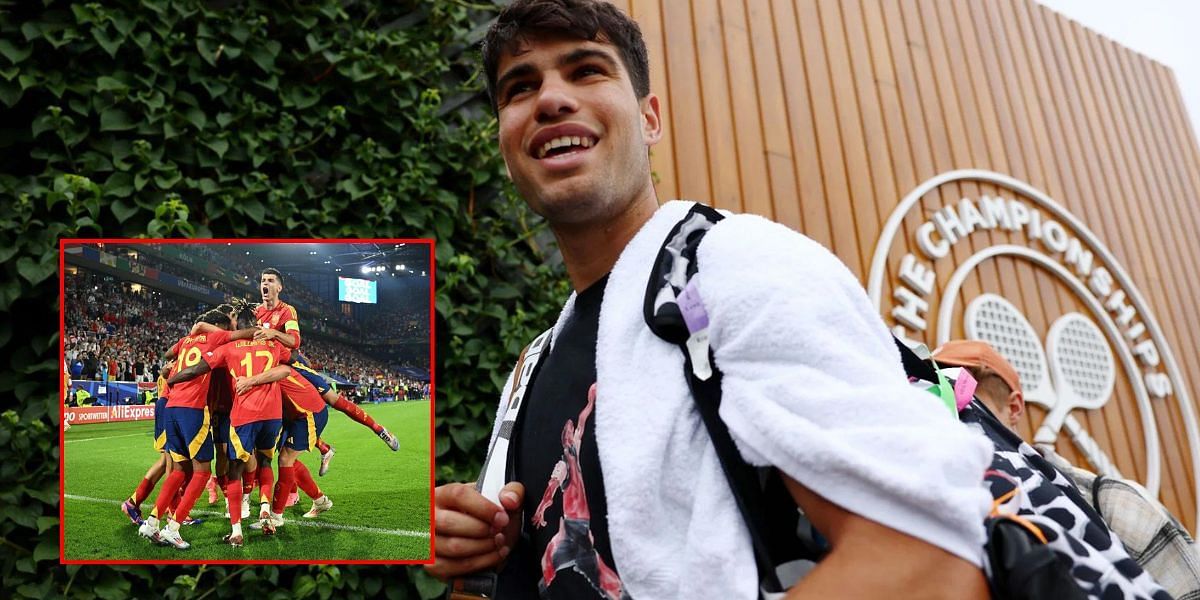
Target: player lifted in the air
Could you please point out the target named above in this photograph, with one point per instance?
(257, 415)
(279, 322)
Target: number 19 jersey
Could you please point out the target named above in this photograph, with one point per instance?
(247, 358)
(190, 349)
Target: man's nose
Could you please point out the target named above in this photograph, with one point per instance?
(555, 99)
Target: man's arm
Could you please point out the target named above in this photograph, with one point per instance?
(243, 334)
(202, 327)
(191, 372)
(869, 560)
(276, 373)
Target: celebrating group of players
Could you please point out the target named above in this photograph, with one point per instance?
(240, 396)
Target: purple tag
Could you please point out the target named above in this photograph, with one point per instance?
(692, 308)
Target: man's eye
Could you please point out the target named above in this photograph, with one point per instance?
(518, 88)
(588, 70)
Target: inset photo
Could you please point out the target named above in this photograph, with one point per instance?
(247, 401)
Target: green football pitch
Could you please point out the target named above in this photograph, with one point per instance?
(380, 498)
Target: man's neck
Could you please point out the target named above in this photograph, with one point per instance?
(272, 303)
(590, 250)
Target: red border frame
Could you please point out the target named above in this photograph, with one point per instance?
(62, 507)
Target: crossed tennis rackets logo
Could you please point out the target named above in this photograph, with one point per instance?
(1075, 369)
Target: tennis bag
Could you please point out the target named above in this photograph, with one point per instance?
(1043, 539)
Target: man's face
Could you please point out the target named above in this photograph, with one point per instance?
(573, 133)
(270, 287)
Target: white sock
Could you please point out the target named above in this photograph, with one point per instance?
(237, 529)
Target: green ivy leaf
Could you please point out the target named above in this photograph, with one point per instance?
(123, 210)
(218, 145)
(35, 272)
(14, 54)
(110, 84)
(196, 117)
(109, 45)
(47, 550)
(10, 93)
(115, 119)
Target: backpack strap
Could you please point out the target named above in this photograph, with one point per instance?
(495, 470)
(499, 461)
(674, 312)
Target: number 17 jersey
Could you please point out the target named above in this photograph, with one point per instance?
(247, 358)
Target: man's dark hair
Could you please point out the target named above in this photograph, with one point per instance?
(272, 271)
(591, 20)
(216, 317)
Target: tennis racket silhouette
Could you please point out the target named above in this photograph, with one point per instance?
(1081, 364)
(1066, 381)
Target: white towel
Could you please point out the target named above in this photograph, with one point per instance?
(813, 385)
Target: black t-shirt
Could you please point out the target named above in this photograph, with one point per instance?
(564, 550)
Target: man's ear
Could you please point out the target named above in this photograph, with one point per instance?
(652, 127)
(1016, 407)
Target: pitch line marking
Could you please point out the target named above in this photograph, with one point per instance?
(302, 522)
(107, 437)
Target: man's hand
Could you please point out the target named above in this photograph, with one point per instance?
(242, 385)
(265, 334)
(472, 532)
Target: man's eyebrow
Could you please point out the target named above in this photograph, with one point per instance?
(579, 55)
(522, 70)
(582, 54)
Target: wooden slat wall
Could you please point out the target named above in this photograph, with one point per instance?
(823, 114)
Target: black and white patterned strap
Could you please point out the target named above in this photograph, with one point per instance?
(495, 467)
(673, 308)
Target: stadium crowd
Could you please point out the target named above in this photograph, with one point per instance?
(118, 330)
(115, 329)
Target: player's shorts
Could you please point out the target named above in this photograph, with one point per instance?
(301, 434)
(189, 434)
(318, 380)
(160, 424)
(220, 427)
(262, 436)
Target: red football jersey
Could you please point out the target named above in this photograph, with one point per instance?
(300, 391)
(246, 358)
(281, 318)
(193, 393)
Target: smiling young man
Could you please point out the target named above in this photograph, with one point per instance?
(812, 383)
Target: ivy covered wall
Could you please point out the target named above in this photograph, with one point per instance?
(249, 119)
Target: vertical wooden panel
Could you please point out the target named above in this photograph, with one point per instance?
(829, 142)
(714, 93)
(685, 108)
(662, 159)
(785, 198)
(823, 113)
(747, 126)
(814, 217)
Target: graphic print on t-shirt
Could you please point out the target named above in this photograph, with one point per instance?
(572, 547)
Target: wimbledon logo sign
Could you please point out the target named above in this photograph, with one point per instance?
(1075, 367)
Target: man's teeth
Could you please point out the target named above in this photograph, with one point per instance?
(565, 140)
